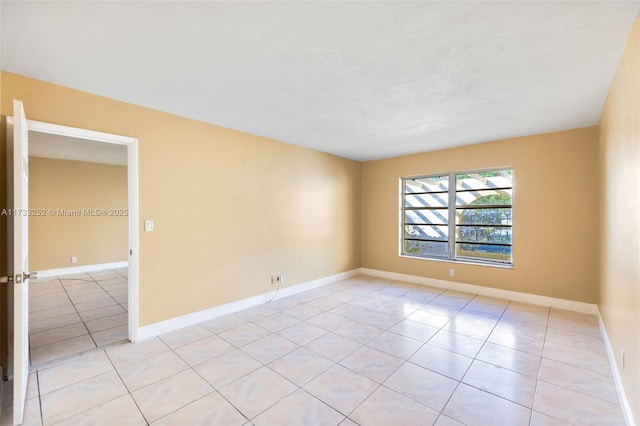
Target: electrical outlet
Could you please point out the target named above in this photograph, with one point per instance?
(74, 259)
(452, 272)
(277, 280)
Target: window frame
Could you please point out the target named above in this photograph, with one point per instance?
(451, 215)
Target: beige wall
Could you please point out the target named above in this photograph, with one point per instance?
(620, 211)
(230, 208)
(76, 185)
(555, 213)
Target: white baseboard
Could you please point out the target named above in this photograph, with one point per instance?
(172, 324)
(81, 269)
(176, 323)
(534, 299)
(617, 378)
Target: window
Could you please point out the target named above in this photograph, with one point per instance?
(459, 216)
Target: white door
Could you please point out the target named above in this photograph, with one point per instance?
(18, 253)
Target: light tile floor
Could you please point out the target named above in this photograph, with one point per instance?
(361, 351)
(74, 313)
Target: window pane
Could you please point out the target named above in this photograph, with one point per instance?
(436, 217)
(425, 249)
(485, 180)
(426, 232)
(426, 200)
(427, 184)
(477, 221)
(483, 234)
(488, 197)
(484, 252)
(487, 216)
(482, 228)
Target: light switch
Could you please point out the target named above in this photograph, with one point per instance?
(148, 225)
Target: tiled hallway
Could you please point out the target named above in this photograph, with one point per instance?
(74, 313)
(361, 351)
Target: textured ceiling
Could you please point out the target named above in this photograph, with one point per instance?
(363, 80)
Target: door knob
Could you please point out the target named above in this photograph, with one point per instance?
(19, 278)
(30, 275)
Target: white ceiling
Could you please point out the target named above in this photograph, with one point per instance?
(363, 80)
(67, 148)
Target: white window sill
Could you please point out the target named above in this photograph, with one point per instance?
(462, 261)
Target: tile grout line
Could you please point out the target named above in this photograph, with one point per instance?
(37, 374)
(441, 413)
(109, 293)
(206, 381)
(110, 328)
(125, 386)
(535, 388)
(78, 312)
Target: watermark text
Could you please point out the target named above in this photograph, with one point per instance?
(59, 212)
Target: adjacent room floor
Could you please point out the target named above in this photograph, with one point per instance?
(70, 314)
(361, 351)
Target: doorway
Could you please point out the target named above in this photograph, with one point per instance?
(78, 243)
(97, 306)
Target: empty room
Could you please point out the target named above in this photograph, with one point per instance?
(320, 213)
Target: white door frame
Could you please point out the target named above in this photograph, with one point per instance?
(132, 172)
